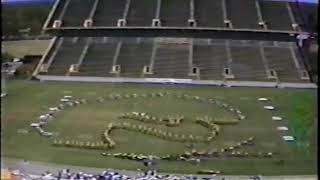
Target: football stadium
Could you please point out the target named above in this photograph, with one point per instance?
(164, 89)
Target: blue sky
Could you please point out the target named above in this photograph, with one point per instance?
(23, 0)
(311, 1)
(307, 1)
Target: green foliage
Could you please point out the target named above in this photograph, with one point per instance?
(15, 18)
(5, 57)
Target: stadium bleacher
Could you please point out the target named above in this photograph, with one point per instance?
(53, 50)
(247, 64)
(57, 13)
(247, 18)
(211, 59)
(281, 61)
(302, 13)
(174, 13)
(77, 11)
(141, 15)
(178, 13)
(276, 15)
(108, 13)
(208, 13)
(299, 58)
(173, 58)
(134, 56)
(148, 56)
(67, 55)
(171, 61)
(98, 61)
(297, 15)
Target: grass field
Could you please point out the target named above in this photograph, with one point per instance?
(27, 100)
(25, 47)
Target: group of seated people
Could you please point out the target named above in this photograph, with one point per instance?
(66, 174)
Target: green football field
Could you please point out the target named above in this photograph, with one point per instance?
(27, 100)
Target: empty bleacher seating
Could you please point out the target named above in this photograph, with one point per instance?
(246, 18)
(169, 57)
(57, 12)
(296, 13)
(77, 12)
(302, 12)
(67, 54)
(52, 50)
(276, 15)
(208, 13)
(171, 61)
(134, 56)
(280, 59)
(175, 13)
(141, 15)
(108, 12)
(247, 63)
(299, 58)
(211, 59)
(98, 61)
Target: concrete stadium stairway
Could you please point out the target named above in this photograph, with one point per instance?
(67, 54)
(299, 58)
(141, 15)
(276, 15)
(171, 61)
(174, 13)
(58, 12)
(134, 56)
(295, 12)
(175, 57)
(77, 12)
(243, 14)
(108, 12)
(53, 50)
(211, 59)
(247, 64)
(280, 59)
(306, 10)
(98, 61)
(208, 13)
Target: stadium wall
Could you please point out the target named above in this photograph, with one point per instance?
(177, 81)
(176, 32)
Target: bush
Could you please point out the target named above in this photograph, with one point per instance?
(6, 57)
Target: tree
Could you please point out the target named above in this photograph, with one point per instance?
(6, 57)
(15, 17)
